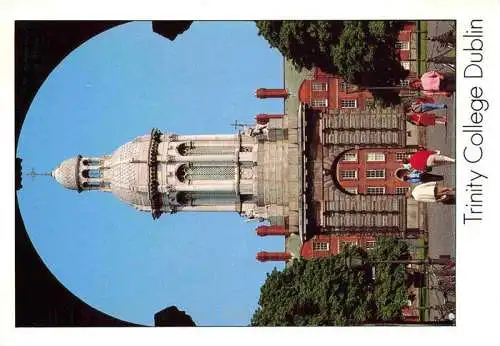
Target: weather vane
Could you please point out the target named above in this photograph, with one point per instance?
(33, 173)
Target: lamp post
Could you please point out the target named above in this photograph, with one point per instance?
(356, 262)
(374, 87)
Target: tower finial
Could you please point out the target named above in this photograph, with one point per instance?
(33, 173)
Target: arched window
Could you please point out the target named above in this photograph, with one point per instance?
(184, 198)
(91, 173)
(182, 173)
(192, 148)
(184, 149)
(195, 172)
(92, 162)
(91, 184)
(95, 173)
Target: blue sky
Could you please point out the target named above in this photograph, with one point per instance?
(119, 85)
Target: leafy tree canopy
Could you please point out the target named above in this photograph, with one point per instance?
(391, 280)
(362, 52)
(326, 291)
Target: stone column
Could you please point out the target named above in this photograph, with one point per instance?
(209, 208)
(213, 186)
(264, 256)
(203, 158)
(181, 138)
(246, 157)
(226, 143)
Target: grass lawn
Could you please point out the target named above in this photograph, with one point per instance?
(452, 53)
(421, 253)
(421, 248)
(422, 46)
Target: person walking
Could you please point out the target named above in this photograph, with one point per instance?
(433, 83)
(423, 160)
(430, 193)
(409, 176)
(425, 104)
(416, 177)
(425, 119)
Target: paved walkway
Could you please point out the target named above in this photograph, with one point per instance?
(441, 219)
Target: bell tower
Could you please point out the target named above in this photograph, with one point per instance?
(255, 172)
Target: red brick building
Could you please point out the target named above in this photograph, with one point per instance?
(407, 44)
(327, 92)
(349, 151)
(360, 171)
(367, 171)
(352, 150)
(324, 245)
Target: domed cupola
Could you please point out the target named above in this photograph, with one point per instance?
(67, 173)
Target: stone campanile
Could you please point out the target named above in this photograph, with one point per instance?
(166, 173)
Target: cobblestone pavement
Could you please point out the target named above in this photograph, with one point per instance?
(441, 219)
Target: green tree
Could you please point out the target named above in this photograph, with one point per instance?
(362, 52)
(326, 291)
(391, 279)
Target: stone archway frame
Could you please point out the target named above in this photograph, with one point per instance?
(335, 178)
(333, 171)
(400, 170)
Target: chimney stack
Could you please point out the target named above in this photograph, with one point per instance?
(272, 230)
(264, 256)
(264, 93)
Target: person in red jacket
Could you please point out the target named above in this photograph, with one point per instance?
(424, 159)
(425, 119)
